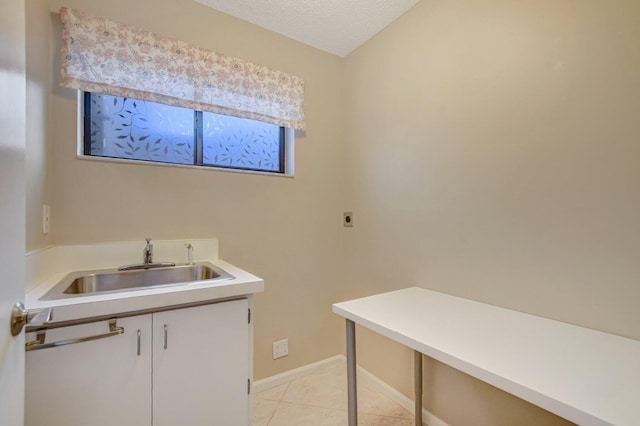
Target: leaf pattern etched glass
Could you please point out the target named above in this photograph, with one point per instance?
(141, 130)
(240, 143)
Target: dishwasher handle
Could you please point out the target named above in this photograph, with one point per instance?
(37, 344)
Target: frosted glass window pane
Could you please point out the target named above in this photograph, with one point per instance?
(134, 129)
(240, 143)
(141, 130)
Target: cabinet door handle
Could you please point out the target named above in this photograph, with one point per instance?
(138, 342)
(165, 336)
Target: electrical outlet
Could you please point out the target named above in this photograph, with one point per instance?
(347, 219)
(46, 219)
(280, 348)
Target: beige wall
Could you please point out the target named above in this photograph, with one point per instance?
(285, 230)
(37, 161)
(493, 154)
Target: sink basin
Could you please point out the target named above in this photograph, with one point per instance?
(111, 280)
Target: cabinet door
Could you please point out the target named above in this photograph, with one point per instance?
(102, 382)
(201, 365)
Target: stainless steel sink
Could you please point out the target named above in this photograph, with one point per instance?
(85, 283)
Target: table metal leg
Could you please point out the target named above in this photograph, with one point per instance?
(351, 373)
(417, 380)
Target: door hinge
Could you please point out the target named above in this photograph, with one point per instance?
(248, 386)
(249, 318)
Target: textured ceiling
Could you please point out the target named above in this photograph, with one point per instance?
(335, 26)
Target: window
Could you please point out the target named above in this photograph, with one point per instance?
(132, 129)
(148, 97)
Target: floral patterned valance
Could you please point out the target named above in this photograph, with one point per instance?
(99, 55)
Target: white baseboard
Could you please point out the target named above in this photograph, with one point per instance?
(372, 381)
(287, 376)
(364, 377)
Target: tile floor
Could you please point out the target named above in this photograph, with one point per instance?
(319, 398)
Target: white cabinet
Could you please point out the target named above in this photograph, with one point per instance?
(184, 366)
(201, 365)
(96, 383)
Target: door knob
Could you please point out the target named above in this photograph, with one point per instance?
(21, 317)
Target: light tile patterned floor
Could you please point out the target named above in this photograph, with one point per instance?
(320, 399)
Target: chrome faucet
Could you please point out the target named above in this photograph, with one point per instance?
(147, 260)
(147, 253)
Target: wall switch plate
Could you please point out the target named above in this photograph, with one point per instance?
(347, 219)
(46, 219)
(280, 348)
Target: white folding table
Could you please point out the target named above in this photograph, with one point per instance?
(586, 376)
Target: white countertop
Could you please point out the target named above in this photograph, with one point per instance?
(583, 375)
(45, 268)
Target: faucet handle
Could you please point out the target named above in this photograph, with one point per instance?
(189, 248)
(147, 252)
